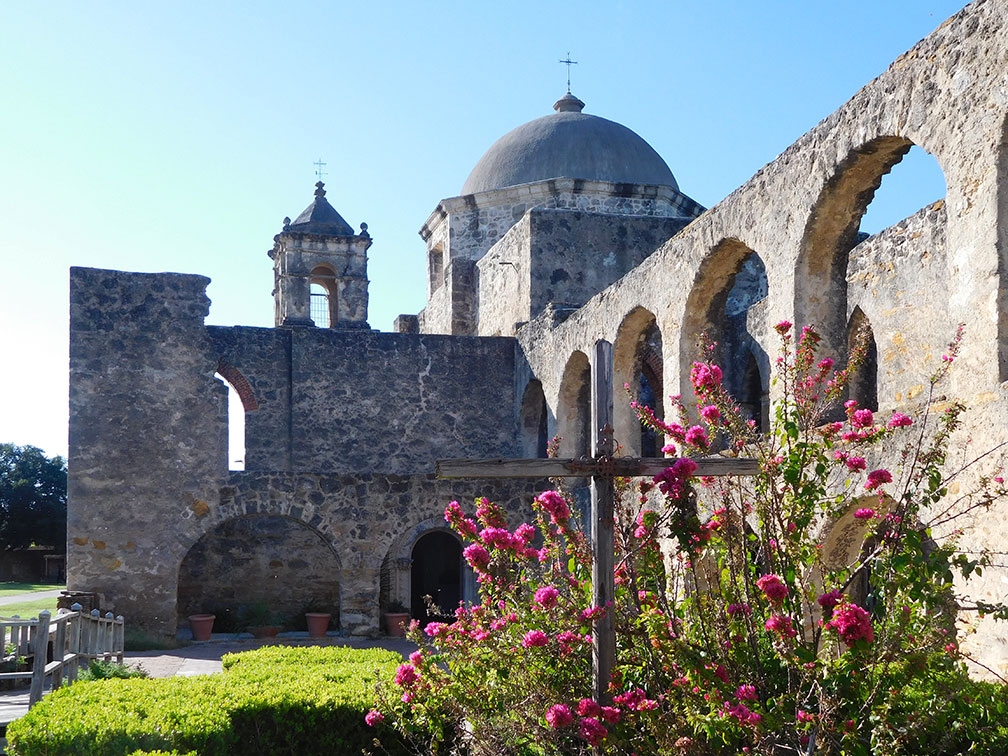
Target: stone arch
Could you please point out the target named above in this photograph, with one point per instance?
(638, 363)
(574, 407)
(820, 280)
(754, 391)
(436, 570)
(254, 558)
(239, 383)
(862, 386)
(714, 287)
(533, 433)
(396, 567)
(323, 295)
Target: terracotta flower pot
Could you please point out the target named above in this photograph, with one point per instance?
(318, 623)
(264, 631)
(202, 626)
(395, 624)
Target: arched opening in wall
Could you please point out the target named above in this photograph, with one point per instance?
(638, 363)
(259, 565)
(574, 407)
(322, 283)
(862, 386)
(727, 303)
(838, 222)
(436, 574)
(754, 398)
(534, 435)
(914, 182)
(435, 267)
(240, 401)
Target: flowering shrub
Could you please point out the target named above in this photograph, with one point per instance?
(738, 630)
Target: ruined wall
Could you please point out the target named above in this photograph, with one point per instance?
(914, 281)
(147, 443)
(331, 401)
(899, 280)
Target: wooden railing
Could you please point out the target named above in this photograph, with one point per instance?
(76, 637)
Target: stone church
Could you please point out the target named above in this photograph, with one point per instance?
(570, 229)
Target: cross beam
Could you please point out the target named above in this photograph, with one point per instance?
(613, 467)
(603, 468)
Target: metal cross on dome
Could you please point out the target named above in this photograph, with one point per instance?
(603, 467)
(568, 62)
(320, 169)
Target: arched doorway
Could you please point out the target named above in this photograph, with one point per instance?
(436, 571)
(256, 561)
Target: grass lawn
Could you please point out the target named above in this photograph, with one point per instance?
(13, 589)
(26, 609)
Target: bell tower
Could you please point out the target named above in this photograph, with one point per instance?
(320, 269)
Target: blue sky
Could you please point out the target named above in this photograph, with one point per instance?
(176, 137)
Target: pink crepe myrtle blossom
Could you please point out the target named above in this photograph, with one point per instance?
(705, 377)
(555, 505)
(406, 675)
(697, 436)
(373, 717)
(746, 693)
(611, 715)
(734, 609)
(862, 418)
(865, 513)
(477, 556)
(829, 600)
(852, 623)
(876, 478)
(588, 708)
(535, 639)
(854, 464)
(899, 420)
(773, 587)
(559, 715)
(710, 413)
(783, 327)
(592, 731)
(781, 625)
(546, 597)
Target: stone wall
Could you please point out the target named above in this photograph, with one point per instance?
(331, 401)
(467, 227)
(914, 281)
(561, 256)
(148, 434)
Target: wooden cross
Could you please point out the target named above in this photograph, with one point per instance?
(603, 467)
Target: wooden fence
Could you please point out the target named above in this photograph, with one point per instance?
(76, 638)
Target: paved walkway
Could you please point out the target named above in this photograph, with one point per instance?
(33, 596)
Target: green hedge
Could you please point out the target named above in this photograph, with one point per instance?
(269, 701)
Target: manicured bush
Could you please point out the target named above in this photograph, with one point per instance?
(272, 700)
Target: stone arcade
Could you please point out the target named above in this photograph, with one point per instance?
(568, 230)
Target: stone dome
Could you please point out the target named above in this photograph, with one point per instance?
(568, 144)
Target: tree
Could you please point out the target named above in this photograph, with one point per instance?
(33, 498)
